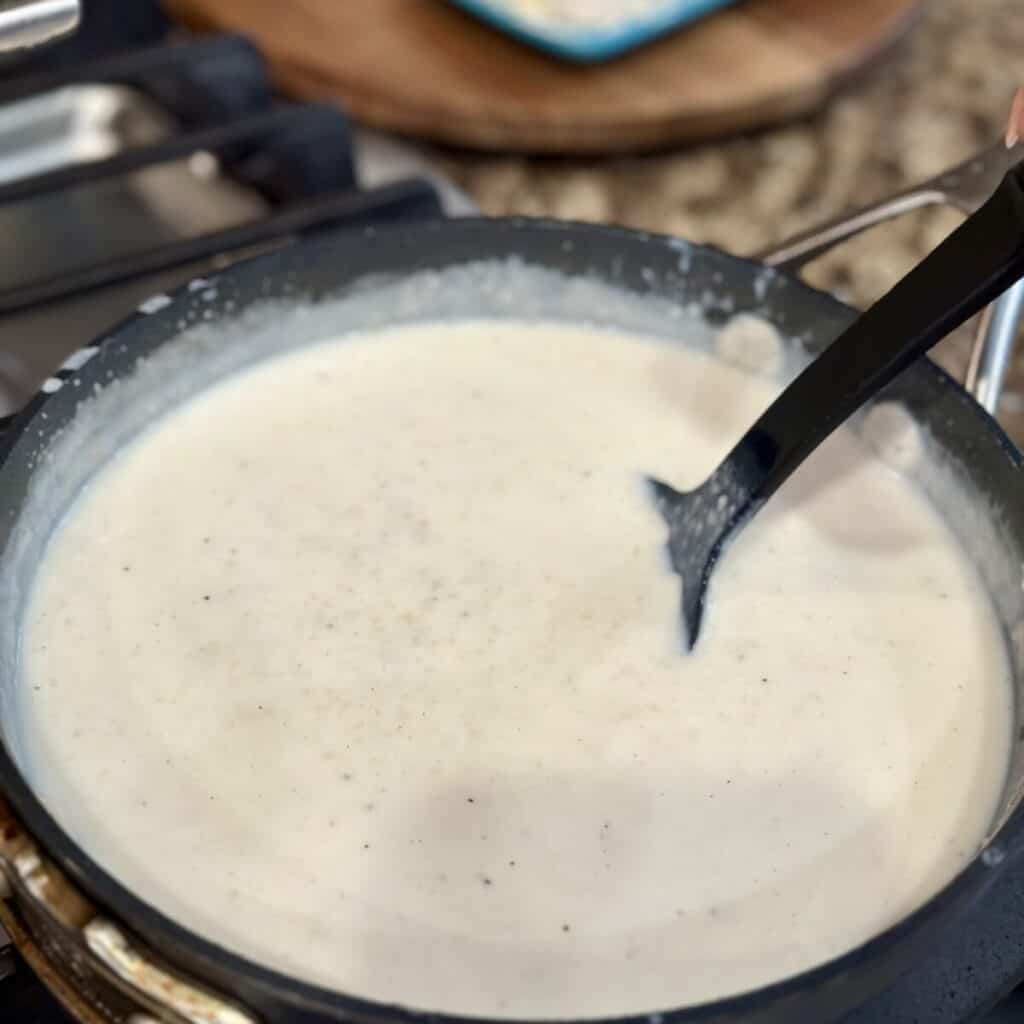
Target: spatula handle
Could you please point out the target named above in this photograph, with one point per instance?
(973, 266)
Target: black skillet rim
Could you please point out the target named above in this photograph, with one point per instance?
(219, 967)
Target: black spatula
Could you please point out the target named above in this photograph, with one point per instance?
(973, 266)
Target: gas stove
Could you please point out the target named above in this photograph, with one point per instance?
(132, 160)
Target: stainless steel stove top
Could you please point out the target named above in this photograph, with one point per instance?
(61, 233)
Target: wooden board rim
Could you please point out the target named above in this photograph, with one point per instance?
(589, 133)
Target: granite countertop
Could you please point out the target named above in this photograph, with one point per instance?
(941, 95)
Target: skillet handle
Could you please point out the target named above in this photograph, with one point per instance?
(996, 333)
(976, 264)
(795, 253)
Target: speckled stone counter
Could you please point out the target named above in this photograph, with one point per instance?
(941, 95)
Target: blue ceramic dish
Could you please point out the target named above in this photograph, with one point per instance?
(592, 45)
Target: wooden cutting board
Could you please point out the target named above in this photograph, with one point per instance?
(423, 68)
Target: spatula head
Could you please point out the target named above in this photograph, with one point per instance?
(699, 524)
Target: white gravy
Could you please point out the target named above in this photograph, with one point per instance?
(367, 664)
